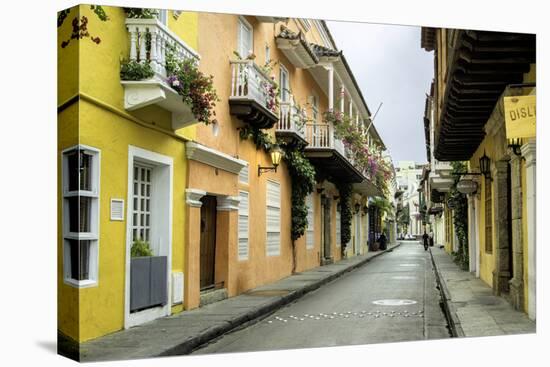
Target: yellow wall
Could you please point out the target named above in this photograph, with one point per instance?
(67, 297)
(93, 69)
(486, 259)
(218, 38)
(100, 63)
(67, 60)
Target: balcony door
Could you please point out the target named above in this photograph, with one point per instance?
(284, 84)
(245, 38)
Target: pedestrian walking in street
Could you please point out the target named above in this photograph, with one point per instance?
(382, 240)
(431, 238)
(425, 241)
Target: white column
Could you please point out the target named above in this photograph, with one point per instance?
(153, 55)
(331, 88)
(477, 201)
(142, 50)
(528, 151)
(342, 98)
(350, 107)
(133, 43)
(472, 233)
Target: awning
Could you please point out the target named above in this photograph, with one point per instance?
(482, 65)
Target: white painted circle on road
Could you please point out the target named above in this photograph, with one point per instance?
(394, 302)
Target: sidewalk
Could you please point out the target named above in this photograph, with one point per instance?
(182, 333)
(472, 308)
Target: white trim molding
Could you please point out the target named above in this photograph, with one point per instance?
(200, 153)
(228, 203)
(528, 151)
(92, 235)
(162, 226)
(193, 197)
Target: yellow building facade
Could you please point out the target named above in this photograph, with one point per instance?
(470, 116)
(94, 123)
(135, 167)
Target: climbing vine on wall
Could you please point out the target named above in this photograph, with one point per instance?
(80, 25)
(345, 190)
(460, 218)
(302, 176)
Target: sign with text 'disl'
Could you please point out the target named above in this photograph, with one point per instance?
(520, 116)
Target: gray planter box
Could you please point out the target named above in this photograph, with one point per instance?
(148, 282)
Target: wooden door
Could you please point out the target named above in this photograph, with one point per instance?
(208, 242)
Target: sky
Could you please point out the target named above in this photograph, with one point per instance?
(391, 69)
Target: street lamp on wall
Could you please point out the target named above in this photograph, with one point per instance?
(276, 154)
(515, 145)
(485, 165)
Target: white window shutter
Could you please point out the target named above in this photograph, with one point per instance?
(273, 218)
(243, 225)
(310, 239)
(243, 175)
(245, 37)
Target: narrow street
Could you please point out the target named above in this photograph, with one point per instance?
(390, 299)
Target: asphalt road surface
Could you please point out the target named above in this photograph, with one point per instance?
(390, 299)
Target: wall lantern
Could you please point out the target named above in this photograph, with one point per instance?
(485, 165)
(466, 187)
(276, 155)
(515, 144)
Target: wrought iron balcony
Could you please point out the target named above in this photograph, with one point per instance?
(252, 98)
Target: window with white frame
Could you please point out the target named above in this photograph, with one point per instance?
(80, 183)
(141, 210)
(310, 239)
(243, 175)
(314, 107)
(273, 218)
(267, 54)
(284, 84)
(305, 24)
(245, 38)
(162, 16)
(243, 247)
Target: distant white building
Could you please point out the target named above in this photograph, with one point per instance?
(408, 175)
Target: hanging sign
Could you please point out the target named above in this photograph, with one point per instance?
(520, 116)
(466, 186)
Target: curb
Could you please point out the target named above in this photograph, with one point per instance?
(450, 310)
(256, 314)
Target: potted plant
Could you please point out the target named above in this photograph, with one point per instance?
(148, 282)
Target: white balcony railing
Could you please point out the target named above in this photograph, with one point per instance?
(151, 41)
(322, 136)
(290, 118)
(248, 81)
